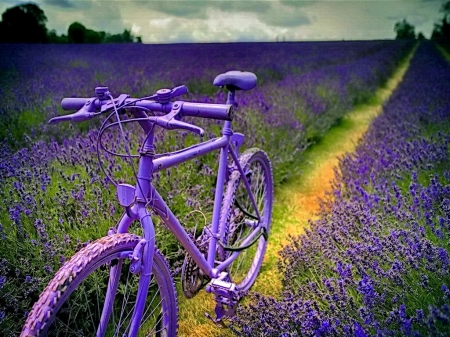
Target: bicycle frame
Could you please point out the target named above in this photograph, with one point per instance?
(154, 200)
(137, 199)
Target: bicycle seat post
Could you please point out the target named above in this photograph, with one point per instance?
(231, 98)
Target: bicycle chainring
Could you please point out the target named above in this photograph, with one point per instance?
(192, 277)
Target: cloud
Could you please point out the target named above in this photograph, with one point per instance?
(63, 3)
(282, 16)
(253, 6)
(297, 3)
(197, 8)
(69, 4)
(269, 12)
(179, 8)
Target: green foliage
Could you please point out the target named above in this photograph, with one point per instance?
(404, 30)
(27, 24)
(201, 86)
(15, 126)
(53, 37)
(442, 28)
(78, 33)
(24, 24)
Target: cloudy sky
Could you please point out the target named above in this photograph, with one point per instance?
(172, 21)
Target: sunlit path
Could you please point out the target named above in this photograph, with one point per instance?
(297, 201)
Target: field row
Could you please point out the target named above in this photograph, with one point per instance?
(377, 260)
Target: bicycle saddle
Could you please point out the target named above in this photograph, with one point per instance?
(236, 80)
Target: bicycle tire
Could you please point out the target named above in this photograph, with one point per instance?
(258, 169)
(51, 314)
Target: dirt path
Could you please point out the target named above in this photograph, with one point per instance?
(295, 203)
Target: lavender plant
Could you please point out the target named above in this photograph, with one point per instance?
(376, 262)
(55, 196)
(32, 87)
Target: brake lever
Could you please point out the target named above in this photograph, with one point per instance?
(85, 113)
(172, 121)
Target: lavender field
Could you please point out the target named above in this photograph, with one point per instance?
(55, 197)
(377, 261)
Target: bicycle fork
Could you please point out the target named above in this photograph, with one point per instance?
(141, 264)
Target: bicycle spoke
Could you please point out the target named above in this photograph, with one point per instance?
(124, 302)
(89, 308)
(151, 314)
(150, 305)
(157, 324)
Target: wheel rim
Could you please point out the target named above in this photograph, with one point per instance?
(245, 268)
(82, 303)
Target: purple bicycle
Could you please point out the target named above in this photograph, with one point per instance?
(124, 275)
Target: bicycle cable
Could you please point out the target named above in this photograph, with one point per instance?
(112, 125)
(125, 145)
(99, 144)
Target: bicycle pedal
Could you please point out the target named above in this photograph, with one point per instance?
(226, 296)
(222, 288)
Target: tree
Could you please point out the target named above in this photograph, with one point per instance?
(125, 37)
(52, 37)
(404, 30)
(76, 33)
(442, 30)
(23, 24)
(420, 36)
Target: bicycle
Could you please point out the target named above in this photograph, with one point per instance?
(227, 256)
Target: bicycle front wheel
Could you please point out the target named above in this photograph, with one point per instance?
(73, 302)
(240, 217)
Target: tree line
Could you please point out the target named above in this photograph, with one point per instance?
(404, 30)
(26, 23)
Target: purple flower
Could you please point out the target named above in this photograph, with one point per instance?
(446, 292)
(359, 331)
(2, 281)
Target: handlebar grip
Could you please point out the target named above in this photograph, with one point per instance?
(223, 112)
(73, 103)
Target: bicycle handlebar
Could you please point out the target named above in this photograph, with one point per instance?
(91, 106)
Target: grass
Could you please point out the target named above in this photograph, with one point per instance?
(296, 202)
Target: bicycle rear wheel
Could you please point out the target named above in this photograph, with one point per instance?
(239, 216)
(72, 303)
